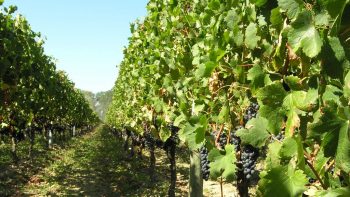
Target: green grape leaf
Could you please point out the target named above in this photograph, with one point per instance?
(222, 163)
(292, 7)
(289, 148)
(294, 100)
(293, 122)
(336, 62)
(1, 2)
(224, 114)
(334, 192)
(335, 141)
(261, 21)
(295, 103)
(293, 82)
(276, 17)
(257, 77)
(320, 162)
(205, 70)
(274, 115)
(260, 3)
(232, 19)
(272, 95)
(273, 156)
(179, 119)
(303, 34)
(346, 88)
(251, 37)
(219, 54)
(332, 94)
(322, 18)
(255, 133)
(238, 36)
(280, 181)
(193, 133)
(342, 158)
(335, 9)
(164, 133)
(214, 4)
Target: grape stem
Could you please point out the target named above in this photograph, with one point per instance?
(315, 172)
(329, 165)
(245, 65)
(221, 188)
(218, 135)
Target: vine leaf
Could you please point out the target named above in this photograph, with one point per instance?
(332, 94)
(257, 77)
(205, 70)
(273, 156)
(334, 134)
(335, 10)
(260, 3)
(289, 148)
(224, 114)
(272, 95)
(222, 163)
(347, 85)
(214, 4)
(193, 132)
(336, 62)
(251, 37)
(334, 192)
(255, 133)
(292, 7)
(280, 181)
(296, 102)
(276, 17)
(303, 34)
(275, 117)
(164, 133)
(232, 19)
(293, 82)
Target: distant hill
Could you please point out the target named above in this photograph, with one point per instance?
(99, 102)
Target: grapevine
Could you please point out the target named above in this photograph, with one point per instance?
(278, 68)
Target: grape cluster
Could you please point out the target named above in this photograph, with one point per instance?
(222, 140)
(205, 168)
(280, 136)
(248, 158)
(311, 180)
(251, 112)
(236, 141)
(149, 140)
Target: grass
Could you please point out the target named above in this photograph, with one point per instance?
(92, 165)
(96, 165)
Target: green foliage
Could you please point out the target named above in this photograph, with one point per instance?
(222, 163)
(31, 87)
(289, 182)
(256, 133)
(200, 63)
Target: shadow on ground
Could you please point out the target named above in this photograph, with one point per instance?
(96, 165)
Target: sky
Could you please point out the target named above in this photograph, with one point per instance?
(86, 37)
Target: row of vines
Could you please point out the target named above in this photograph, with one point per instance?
(35, 97)
(258, 89)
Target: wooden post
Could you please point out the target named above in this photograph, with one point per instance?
(196, 180)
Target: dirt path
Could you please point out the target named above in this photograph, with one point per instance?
(96, 165)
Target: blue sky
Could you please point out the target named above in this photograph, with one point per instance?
(86, 37)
